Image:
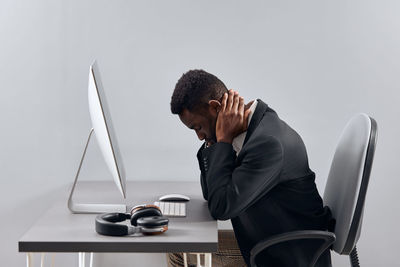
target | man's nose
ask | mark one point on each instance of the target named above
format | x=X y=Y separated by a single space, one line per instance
x=200 y=135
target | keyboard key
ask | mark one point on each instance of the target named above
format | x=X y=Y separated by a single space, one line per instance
x=182 y=209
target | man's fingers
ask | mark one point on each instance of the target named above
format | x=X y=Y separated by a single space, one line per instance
x=236 y=98
x=223 y=102
x=229 y=103
x=246 y=117
x=241 y=106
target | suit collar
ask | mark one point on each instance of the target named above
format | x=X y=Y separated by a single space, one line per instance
x=255 y=120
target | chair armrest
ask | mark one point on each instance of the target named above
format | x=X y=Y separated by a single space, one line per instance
x=328 y=237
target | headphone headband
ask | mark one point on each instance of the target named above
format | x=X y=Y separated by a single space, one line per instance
x=143 y=206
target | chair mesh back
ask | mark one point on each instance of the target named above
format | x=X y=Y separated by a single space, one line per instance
x=345 y=179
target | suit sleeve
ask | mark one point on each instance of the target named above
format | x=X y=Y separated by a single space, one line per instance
x=232 y=189
x=203 y=181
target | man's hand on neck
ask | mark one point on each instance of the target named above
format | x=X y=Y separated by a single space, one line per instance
x=232 y=118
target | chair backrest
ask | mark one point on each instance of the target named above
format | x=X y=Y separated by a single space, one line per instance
x=348 y=180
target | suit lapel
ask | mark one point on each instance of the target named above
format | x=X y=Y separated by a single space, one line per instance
x=255 y=120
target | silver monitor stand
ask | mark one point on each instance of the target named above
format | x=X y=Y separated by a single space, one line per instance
x=87 y=207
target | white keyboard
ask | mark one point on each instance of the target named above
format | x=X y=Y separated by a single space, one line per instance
x=172 y=209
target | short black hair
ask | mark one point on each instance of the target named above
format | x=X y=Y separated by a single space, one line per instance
x=194 y=89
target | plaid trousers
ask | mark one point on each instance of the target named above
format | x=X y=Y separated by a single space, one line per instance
x=228 y=254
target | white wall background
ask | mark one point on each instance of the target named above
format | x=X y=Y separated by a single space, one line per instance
x=315 y=62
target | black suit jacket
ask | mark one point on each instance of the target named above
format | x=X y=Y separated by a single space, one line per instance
x=267 y=189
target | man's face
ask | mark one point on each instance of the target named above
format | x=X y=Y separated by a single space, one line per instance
x=202 y=122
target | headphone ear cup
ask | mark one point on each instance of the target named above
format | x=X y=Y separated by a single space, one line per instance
x=144 y=212
x=107 y=224
x=153 y=221
x=153 y=225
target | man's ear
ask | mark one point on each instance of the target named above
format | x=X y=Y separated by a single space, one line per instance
x=214 y=106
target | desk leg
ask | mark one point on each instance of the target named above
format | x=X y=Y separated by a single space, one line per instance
x=207 y=259
x=81 y=259
x=198 y=259
x=185 y=263
x=29 y=260
x=91 y=260
x=42 y=259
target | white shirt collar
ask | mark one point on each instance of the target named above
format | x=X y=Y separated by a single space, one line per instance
x=238 y=141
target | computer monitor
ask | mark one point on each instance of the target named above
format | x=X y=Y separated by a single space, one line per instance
x=103 y=128
x=107 y=141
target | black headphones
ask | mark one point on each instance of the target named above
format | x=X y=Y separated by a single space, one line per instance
x=145 y=219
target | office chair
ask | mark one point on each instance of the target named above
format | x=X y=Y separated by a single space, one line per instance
x=344 y=193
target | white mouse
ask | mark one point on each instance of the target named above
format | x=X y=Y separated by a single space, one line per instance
x=174 y=197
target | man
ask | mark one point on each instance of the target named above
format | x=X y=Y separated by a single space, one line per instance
x=254 y=171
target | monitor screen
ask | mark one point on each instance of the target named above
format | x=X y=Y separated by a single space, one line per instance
x=103 y=128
